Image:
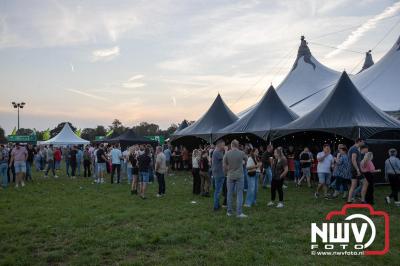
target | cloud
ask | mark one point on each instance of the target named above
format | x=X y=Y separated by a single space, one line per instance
x=93 y=96
x=105 y=54
x=130 y=85
x=133 y=82
x=136 y=77
x=364 y=28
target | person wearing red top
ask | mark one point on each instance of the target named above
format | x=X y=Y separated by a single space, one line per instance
x=57 y=158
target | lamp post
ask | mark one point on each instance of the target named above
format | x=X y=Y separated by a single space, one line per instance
x=18 y=106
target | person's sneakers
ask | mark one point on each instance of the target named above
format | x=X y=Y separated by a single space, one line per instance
x=22 y=184
x=224 y=206
x=316 y=195
x=143 y=197
x=327 y=197
x=285 y=187
x=270 y=204
x=16 y=186
x=387 y=199
x=242 y=215
x=56 y=176
x=158 y=195
x=229 y=214
x=280 y=205
x=247 y=205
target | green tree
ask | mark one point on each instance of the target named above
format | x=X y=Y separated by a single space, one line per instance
x=146 y=129
x=24 y=131
x=117 y=128
x=3 y=138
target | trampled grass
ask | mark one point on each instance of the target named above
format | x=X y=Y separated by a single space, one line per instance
x=75 y=222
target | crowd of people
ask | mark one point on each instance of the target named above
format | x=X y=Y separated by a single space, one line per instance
x=229 y=170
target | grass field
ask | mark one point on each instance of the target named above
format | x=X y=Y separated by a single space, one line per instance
x=73 y=222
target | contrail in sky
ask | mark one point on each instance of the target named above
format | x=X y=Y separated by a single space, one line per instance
x=360 y=31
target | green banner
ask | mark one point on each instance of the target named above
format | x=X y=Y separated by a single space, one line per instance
x=159 y=139
x=99 y=137
x=19 y=138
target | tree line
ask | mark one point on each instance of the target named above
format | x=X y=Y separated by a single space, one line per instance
x=115 y=129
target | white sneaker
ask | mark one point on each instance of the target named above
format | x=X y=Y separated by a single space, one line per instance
x=247 y=206
x=56 y=176
x=270 y=204
x=280 y=205
x=387 y=199
x=285 y=187
x=16 y=186
x=23 y=184
x=158 y=195
x=229 y=214
x=102 y=181
x=242 y=215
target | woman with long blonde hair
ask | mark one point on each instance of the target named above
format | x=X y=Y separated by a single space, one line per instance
x=368 y=170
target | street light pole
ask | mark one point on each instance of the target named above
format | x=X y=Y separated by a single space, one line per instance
x=18 y=106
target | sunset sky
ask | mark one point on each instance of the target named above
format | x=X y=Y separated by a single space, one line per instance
x=89 y=62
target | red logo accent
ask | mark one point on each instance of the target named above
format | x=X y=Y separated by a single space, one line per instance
x=372 y=212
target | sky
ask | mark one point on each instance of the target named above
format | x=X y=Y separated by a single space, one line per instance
x=91 y=61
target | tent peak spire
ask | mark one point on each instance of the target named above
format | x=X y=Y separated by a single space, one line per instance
x=368 y=61
x=303 y=52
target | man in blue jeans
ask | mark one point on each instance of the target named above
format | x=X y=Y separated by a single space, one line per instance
x=218 y=173
x=3 y=166
x=324 y=170
x=233 y=166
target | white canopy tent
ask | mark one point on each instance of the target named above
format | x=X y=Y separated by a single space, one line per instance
x=65 y=137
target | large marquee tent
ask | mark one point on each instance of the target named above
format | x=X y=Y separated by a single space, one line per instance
x=217 y=116
x=269 y=113
x=345 y=112
x=65 y=137
x=307 y=77
x=380 y=83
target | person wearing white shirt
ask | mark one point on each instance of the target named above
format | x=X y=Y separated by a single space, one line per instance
x=324 y=168
x=116 y=157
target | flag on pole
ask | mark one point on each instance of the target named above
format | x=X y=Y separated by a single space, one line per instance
x=78 y=132
x=14 y=132
x=109 y=133
x=46 y=134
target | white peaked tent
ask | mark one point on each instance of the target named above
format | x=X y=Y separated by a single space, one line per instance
x=307 y=83
x=380 y=83
x=66 y=137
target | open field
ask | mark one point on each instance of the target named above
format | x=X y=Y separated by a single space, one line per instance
x=75 y=222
